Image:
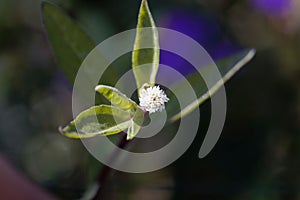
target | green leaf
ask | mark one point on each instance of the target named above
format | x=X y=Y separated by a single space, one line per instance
x=136 y=124
x=117 y=98
x=227 y=67
x=69 y=41
x=98 y=120
x=150 y=56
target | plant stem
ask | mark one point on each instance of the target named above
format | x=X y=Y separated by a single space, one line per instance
x=106 y=171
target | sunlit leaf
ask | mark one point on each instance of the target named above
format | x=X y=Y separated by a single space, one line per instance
x=149 y=56
x=116 y=97
x=69 y=41
x=98 y=120
x=136 y=124
x=227 y=67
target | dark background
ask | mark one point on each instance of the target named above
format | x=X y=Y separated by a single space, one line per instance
x=257 y=156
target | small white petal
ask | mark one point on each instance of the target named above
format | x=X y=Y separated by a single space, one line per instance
x=153 y=99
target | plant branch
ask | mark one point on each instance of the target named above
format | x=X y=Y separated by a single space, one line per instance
x=106 y=171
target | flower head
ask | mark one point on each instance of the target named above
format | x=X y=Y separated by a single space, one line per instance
x=153 y=98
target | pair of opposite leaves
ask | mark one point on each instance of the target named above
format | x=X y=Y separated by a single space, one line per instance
x=123 y=113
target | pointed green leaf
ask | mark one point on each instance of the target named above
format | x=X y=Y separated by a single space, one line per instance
x=116 y=97
x=149 y=56
x=98 y=120
x=136 y=124
x=69 y=41
x=227 y=67
x=132 y=130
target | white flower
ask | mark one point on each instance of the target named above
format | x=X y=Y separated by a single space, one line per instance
x=153 y=98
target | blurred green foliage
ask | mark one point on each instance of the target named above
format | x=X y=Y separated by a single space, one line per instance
x=257 y=156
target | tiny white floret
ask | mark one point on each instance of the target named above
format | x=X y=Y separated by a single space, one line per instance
x=153 y=99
